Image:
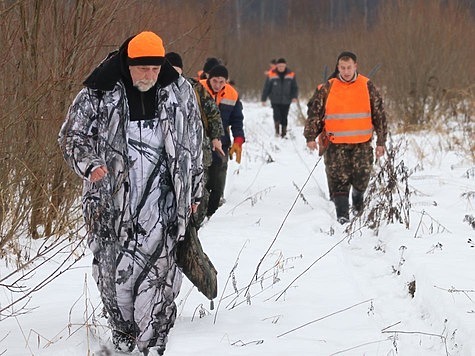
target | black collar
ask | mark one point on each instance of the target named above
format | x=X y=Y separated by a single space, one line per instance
x=114 y=68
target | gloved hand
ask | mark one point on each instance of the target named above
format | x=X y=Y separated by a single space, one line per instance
x=236 y=149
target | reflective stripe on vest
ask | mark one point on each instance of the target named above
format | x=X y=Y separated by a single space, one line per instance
x=275 y=75
x=348 y=111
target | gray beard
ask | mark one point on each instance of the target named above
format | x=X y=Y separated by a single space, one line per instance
x=144 y=85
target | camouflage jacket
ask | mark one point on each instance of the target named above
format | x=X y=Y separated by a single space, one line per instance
x=211 y=118
x=94 y=133
x=316 y=113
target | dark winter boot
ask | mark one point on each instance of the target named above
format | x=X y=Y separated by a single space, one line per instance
x=277 y=129
x=342 y=207
x=357 y=199
x=284 y=131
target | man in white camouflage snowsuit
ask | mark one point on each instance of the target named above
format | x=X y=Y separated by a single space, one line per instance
x=347 y=109
x=136 y=140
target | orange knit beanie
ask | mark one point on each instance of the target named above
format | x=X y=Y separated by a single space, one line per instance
x=145 y=49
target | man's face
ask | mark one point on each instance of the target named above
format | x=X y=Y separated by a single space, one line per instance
x=281 y=67
x=217 y=83
x=144 y=77
x=347 y=69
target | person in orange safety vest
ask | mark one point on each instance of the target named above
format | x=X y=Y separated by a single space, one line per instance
x=282 y=90
x=230 y=108
x=272 y=65
x=348 y=108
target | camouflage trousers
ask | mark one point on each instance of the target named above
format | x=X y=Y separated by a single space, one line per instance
x=348 y=165
x=216 y=182
x=138 y=281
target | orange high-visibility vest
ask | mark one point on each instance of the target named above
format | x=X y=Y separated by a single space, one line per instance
x=274 y=74
x=226 y=96
x=348 y=111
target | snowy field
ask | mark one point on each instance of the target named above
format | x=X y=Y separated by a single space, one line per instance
x=291 y=280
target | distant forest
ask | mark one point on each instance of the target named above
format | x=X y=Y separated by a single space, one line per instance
x=246 y=34
x=332 y=14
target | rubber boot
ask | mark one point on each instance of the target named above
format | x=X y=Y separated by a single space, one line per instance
x=342 y=208
x=284 y=131
x=277 y=129
x=357 y=198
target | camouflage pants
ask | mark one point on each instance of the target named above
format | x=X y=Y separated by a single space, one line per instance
x=139 y=282
x=216 y=182
x=348 y=165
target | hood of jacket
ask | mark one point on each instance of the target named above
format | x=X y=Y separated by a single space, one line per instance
x=115 y=68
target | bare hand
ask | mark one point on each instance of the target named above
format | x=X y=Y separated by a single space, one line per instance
x=194 y=208
x=379 y=151
x=98 y=173
x=312 y=145
x=217 y=146
x=263 y=103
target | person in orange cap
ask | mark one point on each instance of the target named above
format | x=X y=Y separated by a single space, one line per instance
x=138 y=150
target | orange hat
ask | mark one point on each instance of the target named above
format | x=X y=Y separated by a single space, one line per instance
x=145 y=49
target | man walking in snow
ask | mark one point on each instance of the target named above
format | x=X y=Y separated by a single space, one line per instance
x=138 y=151
x=232 y=118
x=347 y=109
x=281 y=87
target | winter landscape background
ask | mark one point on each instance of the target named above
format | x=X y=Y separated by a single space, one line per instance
x=398 y=281
x=292 y=281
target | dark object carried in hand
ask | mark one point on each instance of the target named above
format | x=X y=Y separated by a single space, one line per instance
x=195 y=264
x=323 y=142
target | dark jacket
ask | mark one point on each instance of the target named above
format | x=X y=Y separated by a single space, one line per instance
x=230 y=108
x=281 y=88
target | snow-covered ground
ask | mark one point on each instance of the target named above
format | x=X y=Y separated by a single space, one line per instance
x=319 y=290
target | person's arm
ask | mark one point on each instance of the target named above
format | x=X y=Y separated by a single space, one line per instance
x=266 y=90
x=196 y=146
x=378 y=118
x=213 y=119
x=294 y=89
x=236 y=120
x=78 y=135
x=315 y=116
x=312 y=99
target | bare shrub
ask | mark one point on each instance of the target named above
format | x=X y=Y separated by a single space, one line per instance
x=423 y=44
x=48 y=47
x=387 y=199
